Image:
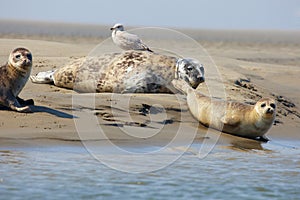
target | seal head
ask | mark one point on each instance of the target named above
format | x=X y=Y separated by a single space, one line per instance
x=190 y=70
x=21 y=59
x=266 y=108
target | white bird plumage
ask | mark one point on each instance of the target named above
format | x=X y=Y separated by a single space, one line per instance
x=127 y=41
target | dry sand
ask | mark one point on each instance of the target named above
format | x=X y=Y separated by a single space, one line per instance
x=250 y=69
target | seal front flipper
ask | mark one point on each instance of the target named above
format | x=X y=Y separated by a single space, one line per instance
x=263 y=139
x=230 y=120
x=11 y=102
x=24 y=109
x=128 y=90
x=25 y=102
x=134 y=89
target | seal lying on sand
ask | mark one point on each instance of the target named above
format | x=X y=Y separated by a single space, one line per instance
x=13 y=77
x=126 y=72
x=250 y=121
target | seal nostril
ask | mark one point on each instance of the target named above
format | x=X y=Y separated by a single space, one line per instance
x=269 y=110
x=194 y=86
x=199 y=77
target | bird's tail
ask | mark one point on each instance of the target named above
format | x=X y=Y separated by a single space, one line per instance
x=149 y=50
x=146 y=48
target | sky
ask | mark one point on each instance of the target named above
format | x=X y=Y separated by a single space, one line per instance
x=203 y=14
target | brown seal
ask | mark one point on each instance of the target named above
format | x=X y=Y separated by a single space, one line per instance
x=250 y=121
x=13 y=77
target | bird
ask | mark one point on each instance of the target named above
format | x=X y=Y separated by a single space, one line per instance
x=127 y=41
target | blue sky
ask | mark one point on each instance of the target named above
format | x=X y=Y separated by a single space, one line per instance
x=205 y=14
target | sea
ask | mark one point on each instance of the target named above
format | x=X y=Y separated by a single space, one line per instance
x=68 y=170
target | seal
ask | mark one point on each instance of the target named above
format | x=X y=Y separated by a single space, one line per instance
x=13 y=77
x=250 y=121
x=125 y=72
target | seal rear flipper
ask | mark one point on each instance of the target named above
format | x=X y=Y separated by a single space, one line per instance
x=43 y=77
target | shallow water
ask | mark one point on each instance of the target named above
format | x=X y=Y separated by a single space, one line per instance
x=65 y=170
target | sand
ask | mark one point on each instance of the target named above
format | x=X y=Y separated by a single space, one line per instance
x=250 y=66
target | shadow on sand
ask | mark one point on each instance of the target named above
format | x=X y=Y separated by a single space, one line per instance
x=51 y=111
x=37 y=109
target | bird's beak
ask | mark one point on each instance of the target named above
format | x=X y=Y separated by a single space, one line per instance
x=112 y=28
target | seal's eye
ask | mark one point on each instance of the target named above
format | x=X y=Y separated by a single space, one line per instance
x=29 y=56
x=273 y=105
x=189 y=68
x=263 y=105
x=18 y=56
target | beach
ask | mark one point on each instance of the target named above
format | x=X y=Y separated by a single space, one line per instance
x=266 y=69
x=64 y=124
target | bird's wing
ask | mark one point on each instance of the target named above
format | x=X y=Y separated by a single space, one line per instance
x=133 y=41
x=130 y=37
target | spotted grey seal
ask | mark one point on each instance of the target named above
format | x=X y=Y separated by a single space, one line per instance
x=125 y=72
